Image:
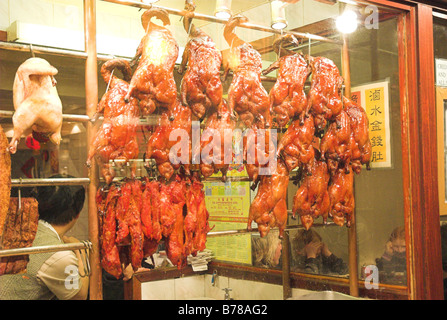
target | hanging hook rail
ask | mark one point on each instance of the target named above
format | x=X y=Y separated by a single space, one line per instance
x=50 y=248
x=49 y=182
x=209 y=18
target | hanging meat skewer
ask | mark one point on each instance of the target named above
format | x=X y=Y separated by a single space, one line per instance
x=153 y=81
x=37 y=105
x=5 y=179
x=201 y=87
x=324 y=98
x=116 y=139
x=287 y=97
x=246 y=94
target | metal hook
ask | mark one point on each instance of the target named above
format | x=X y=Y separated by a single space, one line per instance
x=19 y=204
x=32 y=50
x=85 y=259
x=108 y=84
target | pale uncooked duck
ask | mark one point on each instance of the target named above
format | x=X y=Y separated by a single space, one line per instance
x=37 y=104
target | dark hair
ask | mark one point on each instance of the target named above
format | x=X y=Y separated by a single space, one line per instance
x=59 y=205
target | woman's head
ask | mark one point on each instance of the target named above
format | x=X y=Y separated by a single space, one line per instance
x=59 y=205
x=397 y=239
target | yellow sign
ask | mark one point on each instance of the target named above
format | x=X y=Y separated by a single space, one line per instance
x=374 y=99
x=228 y=205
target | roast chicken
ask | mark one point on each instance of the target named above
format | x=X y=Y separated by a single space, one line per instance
x=287 y=97
x=312 y=198
x=246 y=94
x=269 y=207
x=153 y=80
x=37 y=105
x=324 y=97
x=201 y=87
x=5 y=179
x=361 y=145
x=216 y=142
x=116 y=139
x=336 y=144
x=341 y=194
x=170 y=144
x=295 y=146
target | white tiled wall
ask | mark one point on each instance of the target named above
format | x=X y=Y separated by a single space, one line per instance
x=200 y=287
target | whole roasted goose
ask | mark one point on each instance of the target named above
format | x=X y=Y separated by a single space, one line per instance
x=295 y=146
x=37 y=105
x=116 y=139
x=246 y=94
x=324 y=98
x=201 y=87
x=216 y=142
x=153 y=81
x=361 y=145
x=337 y=143
x=269 y=207
x=174 y=129
x=341 y=194
x=312 y=198
x=287 y=97
x=5 y=179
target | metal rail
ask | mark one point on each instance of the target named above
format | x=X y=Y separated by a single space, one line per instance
x=49 y=182
x=255 y=230
x=66 y=117
x=42 y=249
x=209 y=18
x=25 y=47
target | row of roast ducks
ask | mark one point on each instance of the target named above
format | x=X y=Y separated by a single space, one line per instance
x=327 y=163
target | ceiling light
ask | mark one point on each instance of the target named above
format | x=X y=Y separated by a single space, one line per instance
x=279 y=21
x=223 y=9
x=347 y=22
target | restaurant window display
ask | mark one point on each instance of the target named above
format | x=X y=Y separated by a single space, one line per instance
x=306 y=99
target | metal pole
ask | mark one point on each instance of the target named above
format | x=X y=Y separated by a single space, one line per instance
x=91 y=99
x=65 y=117
x=352 y=230
x=205 y=17
x=43 y=249
x=49 y=182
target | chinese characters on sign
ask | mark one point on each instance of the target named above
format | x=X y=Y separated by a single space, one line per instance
x=374 y=99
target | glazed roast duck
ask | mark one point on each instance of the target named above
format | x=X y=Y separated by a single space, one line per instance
x=287 y=97
x=153 y=80
x=201 y=87
x=116 y=139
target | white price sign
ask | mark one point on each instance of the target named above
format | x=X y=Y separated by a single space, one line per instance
x=441 y=72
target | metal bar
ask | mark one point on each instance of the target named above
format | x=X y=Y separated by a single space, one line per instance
x=49 y=182
x=205 y=17
x=24 y=47
x=91 y=101
x=285 y=252
x=43 y=249
x=66 y=117
x=255 y=230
